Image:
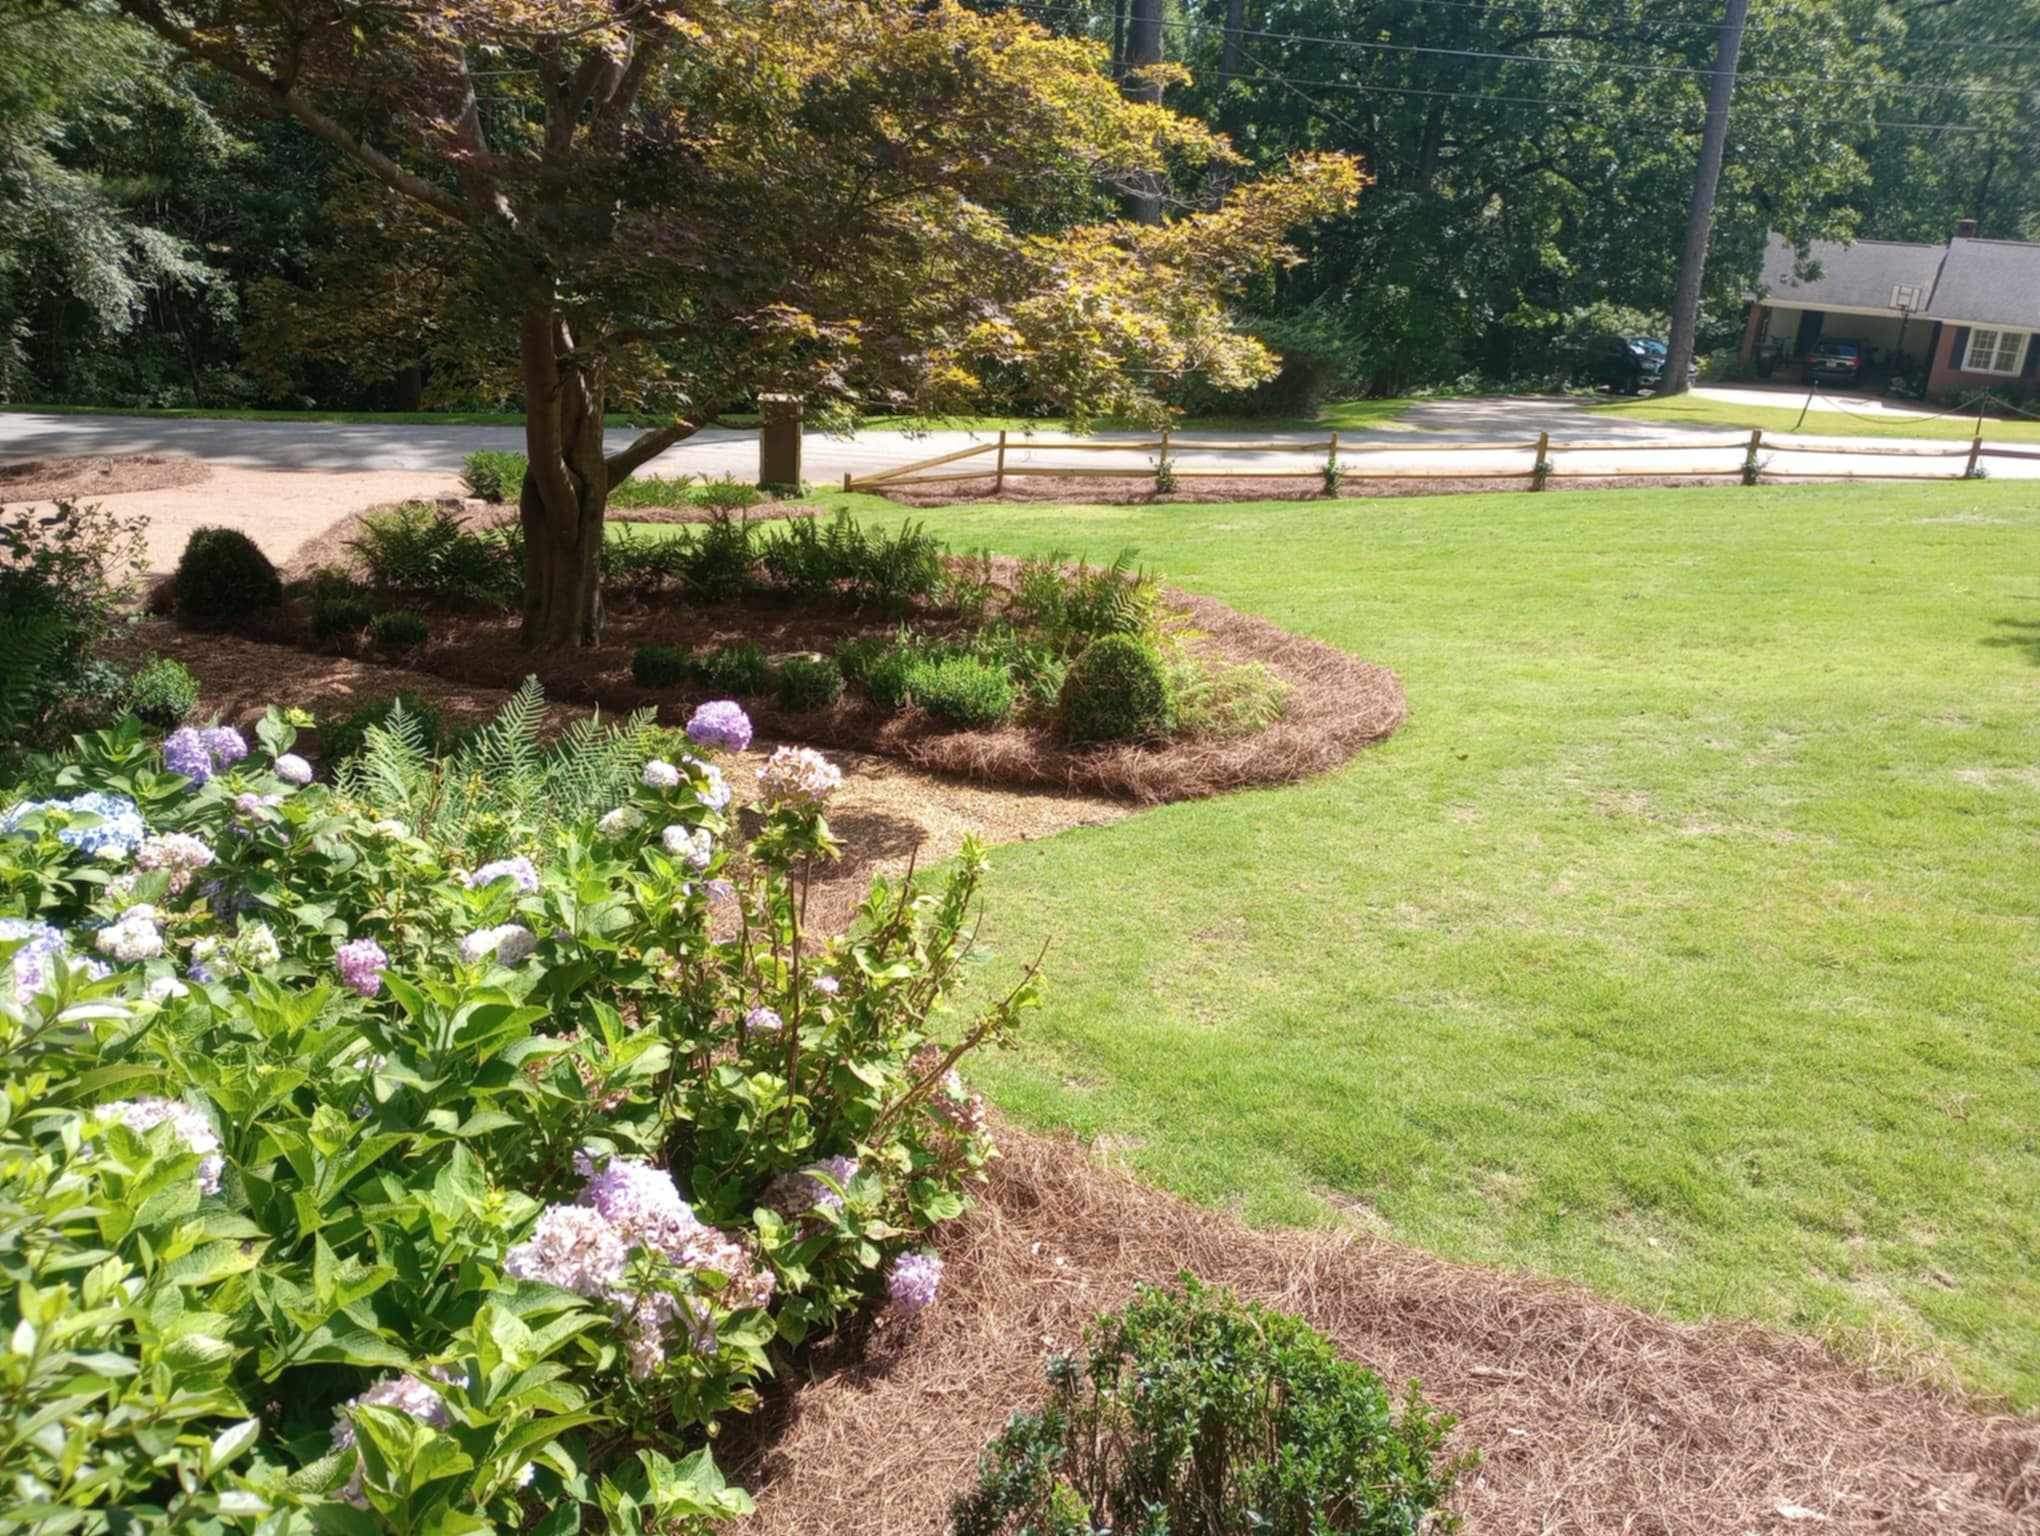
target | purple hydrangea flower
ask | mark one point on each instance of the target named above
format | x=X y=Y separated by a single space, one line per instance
x=225 y=745
x=913 y=1281
x=795 y=1194
x=765 y=1020
x=721 y=890
x=520 y=872
x=720 y=723
x=293 y=769
x=573 y=1247
x=178 y=853
x=41 y=950
x=185 y=752
x=406 y=1394
x=361 y=963
x=640 y=1201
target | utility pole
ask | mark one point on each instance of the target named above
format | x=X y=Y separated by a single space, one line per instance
x=1700 y=217
x=1143 y=48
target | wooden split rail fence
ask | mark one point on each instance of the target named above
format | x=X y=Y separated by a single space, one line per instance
x=1349 y=460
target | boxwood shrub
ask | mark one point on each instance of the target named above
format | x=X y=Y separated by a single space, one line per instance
x=163 y=693
x=807 y=682
x=961 y=689
x=1117 y=690
x=223 y=581
x=400 y=630
x=1194 y=1412
x=660 y=666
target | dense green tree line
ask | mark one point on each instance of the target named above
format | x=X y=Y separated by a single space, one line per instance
x=160 y=244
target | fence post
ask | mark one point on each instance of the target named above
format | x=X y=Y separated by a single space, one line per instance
x=846 y=479
x=1541 y=470
x=1975 y=450
x=1165 y=444
x=999 y=476
x=1752 y=471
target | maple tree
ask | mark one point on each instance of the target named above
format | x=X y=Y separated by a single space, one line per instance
x=677 y=205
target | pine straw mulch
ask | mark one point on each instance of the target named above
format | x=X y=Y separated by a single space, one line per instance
x=887 y=815
x=77 y=477
x=1095 y=490
x=1592 y=1417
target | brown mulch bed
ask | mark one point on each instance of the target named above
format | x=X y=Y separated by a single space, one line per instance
x=1336 y=705
x=1108 y=491
x=1592 y=1417
x=119 y=474
x=886 y=814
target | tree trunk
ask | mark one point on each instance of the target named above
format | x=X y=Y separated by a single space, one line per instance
x=1119 y=39
x=566 y=486
x=1700 y=217
x=1233 y=48
x=1144 y=47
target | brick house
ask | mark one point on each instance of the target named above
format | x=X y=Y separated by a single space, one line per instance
x=1969 y=310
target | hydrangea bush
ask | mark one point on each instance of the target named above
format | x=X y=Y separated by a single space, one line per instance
x=346 y=1185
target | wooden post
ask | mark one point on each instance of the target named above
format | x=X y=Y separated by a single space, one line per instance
x=1751 y=470
x=1975 y=450
x=999 y=476
x=846 y=479
x=1541 y=470
x=1165 y=443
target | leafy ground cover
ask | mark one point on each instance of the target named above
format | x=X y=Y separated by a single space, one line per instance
x=1698 y=411
x=1678 y=944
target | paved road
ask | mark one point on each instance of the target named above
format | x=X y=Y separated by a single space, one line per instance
x=719 y=451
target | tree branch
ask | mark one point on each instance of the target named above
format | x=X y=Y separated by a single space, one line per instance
x=649 y=446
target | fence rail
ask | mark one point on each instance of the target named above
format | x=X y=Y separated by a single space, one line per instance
x=1348 y=460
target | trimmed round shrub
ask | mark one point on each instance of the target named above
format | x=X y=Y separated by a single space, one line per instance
x=1117 y=690
x=887 y=677
x=398 y=631
x=223 y=580
x=738 y=669
x=340 y=619
x=807 y=682
x=660 y=666
x=1193 y=1412
x=343 y=737
x=962 y=690
x=163 y=693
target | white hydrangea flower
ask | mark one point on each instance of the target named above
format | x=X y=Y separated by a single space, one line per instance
x=660 y=774
x=695 y=845
x=621 y=822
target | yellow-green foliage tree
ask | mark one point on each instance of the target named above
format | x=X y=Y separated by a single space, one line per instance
x=676 y=205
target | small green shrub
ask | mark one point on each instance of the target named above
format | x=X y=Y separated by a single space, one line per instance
x=1069 y=607
x=342 y=737
x=638 y=565
x=719 y=561
x=426 y=553
x=1165 y=476
x=660 y=666
x=398 y=631
x=726 y=495
x=163 y=693
x=735 y=669
x=1117 y=690
x=494 y=476
x=1222 y=700
x=962 y=690
x=887 y=677
x=224 y=581
x=340 y=619
x=807 y=682
x=1195 y=1414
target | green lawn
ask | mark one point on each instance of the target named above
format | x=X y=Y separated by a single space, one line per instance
x=1684 y=942
x=1694 y=411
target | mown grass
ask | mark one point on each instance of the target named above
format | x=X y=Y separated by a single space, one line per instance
x=1683 y=943
x=1698 y=411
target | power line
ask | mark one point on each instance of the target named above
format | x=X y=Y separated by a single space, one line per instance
x=1557 y=62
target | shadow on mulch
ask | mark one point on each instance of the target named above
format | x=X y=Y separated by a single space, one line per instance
x=77 y=477
x=1591 y=1417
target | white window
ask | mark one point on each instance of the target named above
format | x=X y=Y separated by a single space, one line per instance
x=1995 y=352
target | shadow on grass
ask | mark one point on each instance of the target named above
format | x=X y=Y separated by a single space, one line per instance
x=2017 y=635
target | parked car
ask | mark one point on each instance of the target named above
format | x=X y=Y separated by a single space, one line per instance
x=1629 y=364
x=1835 y=360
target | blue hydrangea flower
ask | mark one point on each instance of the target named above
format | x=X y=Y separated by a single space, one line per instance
x=115 y=835
x=185 y=752
x=520 y=872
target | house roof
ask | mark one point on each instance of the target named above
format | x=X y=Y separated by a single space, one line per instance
x=1966 y=281
x=1990 y=280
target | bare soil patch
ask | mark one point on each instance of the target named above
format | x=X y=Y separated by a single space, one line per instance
x=1592 y=1418
x=1109 y=491
x=887 y=814
x=83 y=476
